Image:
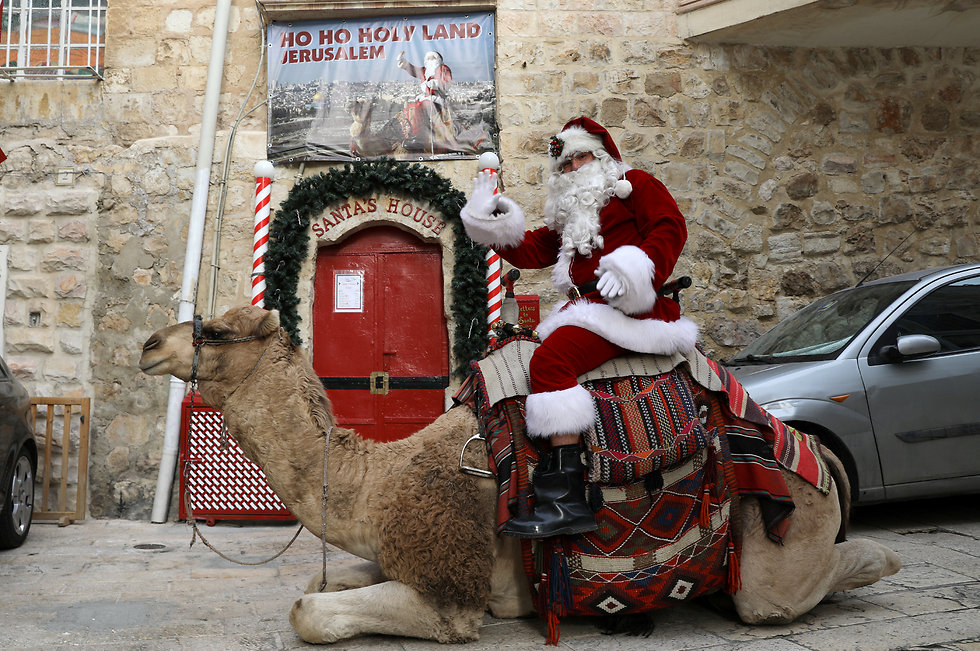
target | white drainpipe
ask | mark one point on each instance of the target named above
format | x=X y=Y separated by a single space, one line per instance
x=192 y=257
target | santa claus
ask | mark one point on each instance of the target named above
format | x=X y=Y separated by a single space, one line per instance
x=431 y=108
x=613 y=234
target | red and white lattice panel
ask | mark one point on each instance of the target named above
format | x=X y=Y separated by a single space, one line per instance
x=221 y=481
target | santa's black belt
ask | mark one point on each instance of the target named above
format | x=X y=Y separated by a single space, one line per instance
x=579 y=291
x=671 y=288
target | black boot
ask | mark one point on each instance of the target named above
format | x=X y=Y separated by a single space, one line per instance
x=560 y=508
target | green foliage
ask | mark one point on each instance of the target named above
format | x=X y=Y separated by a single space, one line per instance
x=289 y=234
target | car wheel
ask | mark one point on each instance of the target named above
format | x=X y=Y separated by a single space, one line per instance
x=15 y=518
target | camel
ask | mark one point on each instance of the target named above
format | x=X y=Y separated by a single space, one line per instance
x=432 y=564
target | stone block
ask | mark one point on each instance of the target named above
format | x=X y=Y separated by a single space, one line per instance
x=929 y=179
x=785 y=247
x=837 y=163
x=756 y=141
x=803 y=186
x=694 y=144
x=12 y=230
x=71 y=202
x=747 y=155
x=70 y=314
x=797 y=282
x=873 y=182
x=28 y=286
x=715 y=222
x=75 y=230
x=18 y=203
x=853 y=122
x=662 y=84
x=61 y=369
x=613 y=112
x=41 y=231
x=716 y=139
x=648 y=113
x=766 y=122
x=179 y=21
x=62 y=259
x=935 y=246
x=29 y=340
x=132 y=52
x=842 y=185
x=823 y=214
x=894 y=210
x=70 y=286
x=585 y=82
x=820 y=243
x=748 y=240
x=935 y=117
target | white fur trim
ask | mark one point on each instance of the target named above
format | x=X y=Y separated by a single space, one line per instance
x=639 y=335
x=561 y=273
x=576 y=140
x=623 y=188
x=503 y=229
x=568 y=411
x=635 y=268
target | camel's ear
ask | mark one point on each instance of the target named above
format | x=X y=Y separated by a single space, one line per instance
x=269 y=324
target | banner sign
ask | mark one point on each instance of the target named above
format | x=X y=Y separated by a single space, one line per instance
x=408 y=87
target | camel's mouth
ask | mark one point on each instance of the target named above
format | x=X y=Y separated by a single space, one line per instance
x=147 y=365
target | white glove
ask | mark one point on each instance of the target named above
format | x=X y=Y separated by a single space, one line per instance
x=483 y=201
x=401 y=59
x=610 y=285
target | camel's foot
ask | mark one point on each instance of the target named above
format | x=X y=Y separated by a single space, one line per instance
x=389 y=608
x=781 y=597
x=346 y=576
x=862 y=562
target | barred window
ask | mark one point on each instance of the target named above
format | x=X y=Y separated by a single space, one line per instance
x=52 y=39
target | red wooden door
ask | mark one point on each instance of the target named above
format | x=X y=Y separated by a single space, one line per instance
x=380 y=344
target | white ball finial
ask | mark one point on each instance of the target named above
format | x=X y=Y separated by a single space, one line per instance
x=488 y=161
x=265 y=170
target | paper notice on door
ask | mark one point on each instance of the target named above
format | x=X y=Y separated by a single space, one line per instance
x=348 y=291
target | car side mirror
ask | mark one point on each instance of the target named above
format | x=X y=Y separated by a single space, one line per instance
x=910 y=346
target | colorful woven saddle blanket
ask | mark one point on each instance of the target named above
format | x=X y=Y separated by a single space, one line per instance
x=676 y=442
x=652 y=412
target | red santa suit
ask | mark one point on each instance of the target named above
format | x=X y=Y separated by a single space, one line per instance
x=431 y=102
x=641 y=233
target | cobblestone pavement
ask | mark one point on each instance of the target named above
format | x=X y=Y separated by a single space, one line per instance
x=118 y=584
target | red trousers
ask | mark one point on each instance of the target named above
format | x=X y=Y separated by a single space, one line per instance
x=567 y=353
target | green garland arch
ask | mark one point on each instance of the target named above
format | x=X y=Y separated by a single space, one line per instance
x=289 y=234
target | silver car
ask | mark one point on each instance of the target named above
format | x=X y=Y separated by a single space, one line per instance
x=887 y=374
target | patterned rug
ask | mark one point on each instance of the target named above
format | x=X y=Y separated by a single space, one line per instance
x=677 y=442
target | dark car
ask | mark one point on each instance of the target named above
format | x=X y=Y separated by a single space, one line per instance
x=18 y=461
x=887 y=374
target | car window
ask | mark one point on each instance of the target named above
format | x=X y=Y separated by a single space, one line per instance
x=823 y=328
x=951 y=314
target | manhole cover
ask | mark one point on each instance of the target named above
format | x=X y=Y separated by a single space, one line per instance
x=150 y=547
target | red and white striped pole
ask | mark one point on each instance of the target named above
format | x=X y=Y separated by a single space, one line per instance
x=264 y=173
x=489 y=162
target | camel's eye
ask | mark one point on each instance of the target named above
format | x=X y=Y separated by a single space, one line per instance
x=215 y=333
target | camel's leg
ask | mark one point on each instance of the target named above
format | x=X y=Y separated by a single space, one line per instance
x=356 y=573
x=861 y=563
x=389 y=608
x=510 y=596
x=782 y=582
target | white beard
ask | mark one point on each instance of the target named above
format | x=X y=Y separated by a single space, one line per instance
x=574 y=201
x=431 y=67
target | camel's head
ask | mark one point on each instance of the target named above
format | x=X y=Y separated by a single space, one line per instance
x=171 y=350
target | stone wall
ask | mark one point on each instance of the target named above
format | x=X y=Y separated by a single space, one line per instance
x=798 y=170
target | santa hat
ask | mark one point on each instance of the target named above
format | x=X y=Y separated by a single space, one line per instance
x=580 y=135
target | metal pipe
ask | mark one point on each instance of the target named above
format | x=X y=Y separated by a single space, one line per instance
x=226 y=170
x=192 y=256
